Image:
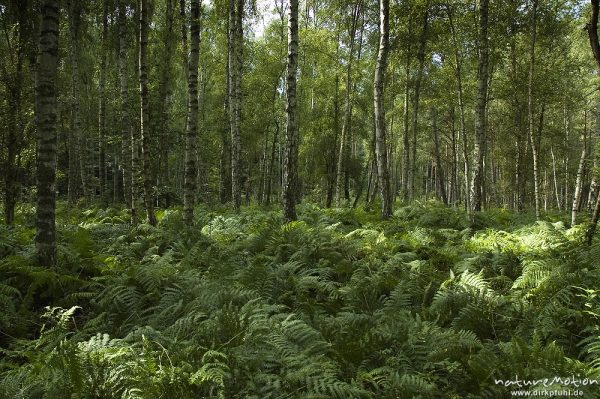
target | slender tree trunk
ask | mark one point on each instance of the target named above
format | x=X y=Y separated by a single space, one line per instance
x=416 y=100
x=269 y=182
x=225 y=172
x=76 y=141
x=461 y=108
x=147 y=169
x=439 y=173
x=405 y=126
x=592 y=28
x=593 y=192
x=480 y=111
x=343 y=155
x=566 y=163
x=102 y=106
x=115 y=176
x=164 y=90
x=80 y=139
x=530 y=110
x=454 y=184
x=555 y=179
x=46 y=121
x=579 y=178
x=378 y=94
x=236 y=13
x=331 y=161
x=134 y=136
x=290 y=169
x=124 y=117
x=593 y=222
x=192 y=116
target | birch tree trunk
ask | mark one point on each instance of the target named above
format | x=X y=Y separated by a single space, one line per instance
x=461 y=108
x=148 y=181
x=480 y=111
x=135 y=135
x=555 y=180
x=439 y=172
x=416 y=101
x=46 y=121
x=592 y=28
x=225 y=173
x=530 y=110
x=124 y=105
x=164 y=90
x=76 y=141
x=593 y=191
x=236 y=32
x=378 y=94
x=343 y=155
x=290 y=167
x=102 y=105
x=192 y=116
x=405 y=130
x=579 y=177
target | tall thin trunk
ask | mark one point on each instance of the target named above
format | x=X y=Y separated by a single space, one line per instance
x=566 y=161
x=124 y=107
x=269 y=182
x=134 y=134
x=461 y=108
x=480 y=111
x=555 y=179
x=115 y=176
x=416 y=101
x=236 y=16
x=147 y=172
x=225 y=173
x=593 y=222
x=332 y=156
x=46 y=120
x=80 y=138
x=405 y=126
x=530 y=110
x=579 y=178
x=343 y=155
x=76 y=140
x=593 y=192
x=378 y=94
x=102 y=105
x=290 y=167
x=439 y=172
x=455 y=190
x=592 y=29
x=192 y=116
x=164 y=90
x=520 y=140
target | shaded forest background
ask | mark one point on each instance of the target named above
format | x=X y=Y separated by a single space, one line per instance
x=540 y=104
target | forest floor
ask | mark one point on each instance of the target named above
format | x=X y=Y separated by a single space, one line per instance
x=336 y=305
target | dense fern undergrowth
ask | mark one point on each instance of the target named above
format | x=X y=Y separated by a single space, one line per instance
x=335 y=305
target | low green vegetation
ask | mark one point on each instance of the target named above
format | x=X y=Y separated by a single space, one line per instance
x=335 y=305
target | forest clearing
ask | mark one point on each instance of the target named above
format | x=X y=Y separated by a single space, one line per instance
x=299 y=199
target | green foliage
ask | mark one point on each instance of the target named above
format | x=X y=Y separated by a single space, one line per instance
x=336 y=305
